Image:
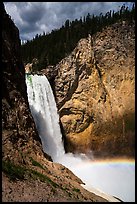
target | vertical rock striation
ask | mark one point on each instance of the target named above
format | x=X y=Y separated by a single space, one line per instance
x=95 y=93
x=27 y=175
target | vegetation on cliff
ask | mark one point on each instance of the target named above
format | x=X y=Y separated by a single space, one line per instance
x=50 y=48
x=22 y=155
x=27 y=175
x=95 y=106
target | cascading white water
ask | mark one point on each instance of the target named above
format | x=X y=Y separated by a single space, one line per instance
x=111 y=177
x=44 y=111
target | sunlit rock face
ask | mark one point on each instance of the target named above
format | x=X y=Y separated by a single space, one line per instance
x=28 y=68
x=95 y=93
x=20 y=140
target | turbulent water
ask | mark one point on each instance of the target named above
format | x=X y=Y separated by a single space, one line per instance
x=44 y=111
x=116 y=178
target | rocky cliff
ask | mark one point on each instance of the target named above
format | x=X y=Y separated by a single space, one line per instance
x=95 y=93
x=27 y=174
x=18 y=128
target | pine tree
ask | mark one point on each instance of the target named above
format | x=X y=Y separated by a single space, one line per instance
x=50 y=48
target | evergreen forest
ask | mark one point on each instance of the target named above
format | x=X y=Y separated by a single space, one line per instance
x=50 y=48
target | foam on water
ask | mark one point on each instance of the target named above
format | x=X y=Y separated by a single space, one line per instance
x=116 y=177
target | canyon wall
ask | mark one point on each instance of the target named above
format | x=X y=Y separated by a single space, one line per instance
x=95 y=93
x=18 y=128
x=28 y=174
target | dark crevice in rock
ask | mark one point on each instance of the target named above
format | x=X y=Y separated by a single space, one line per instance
x=72 y=87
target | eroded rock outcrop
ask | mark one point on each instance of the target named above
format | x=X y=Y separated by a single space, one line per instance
x=27 y=175
x=18 y=128
x=95 y=93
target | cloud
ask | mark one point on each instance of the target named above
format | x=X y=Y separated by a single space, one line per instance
x=35 y=17
x=31 y=12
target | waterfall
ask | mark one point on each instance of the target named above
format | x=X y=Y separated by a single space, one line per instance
x=45 y=114
x=113 y=177
x=44 y=111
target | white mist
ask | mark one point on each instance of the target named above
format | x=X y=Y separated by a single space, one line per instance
x=44 y=111
x=116 y=180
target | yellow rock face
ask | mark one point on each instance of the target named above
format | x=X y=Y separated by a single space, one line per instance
x=28 y=68
x=95 y=93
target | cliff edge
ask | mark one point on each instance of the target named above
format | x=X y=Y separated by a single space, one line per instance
x=28 y=174
x=95 y=93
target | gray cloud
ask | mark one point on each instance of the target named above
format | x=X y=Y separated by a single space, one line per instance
x=35 y=17
x=32 y=12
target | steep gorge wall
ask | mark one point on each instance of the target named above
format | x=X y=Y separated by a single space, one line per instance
x=18 y=129
x=95 y=93
x=27 y=174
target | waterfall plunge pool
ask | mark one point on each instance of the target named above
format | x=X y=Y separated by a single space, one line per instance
x=113 y=177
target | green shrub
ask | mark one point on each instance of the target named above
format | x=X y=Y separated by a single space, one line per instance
x=13 y=171
x=42 y=177
x=35 y=163
x=76 y=189
x=18 y=172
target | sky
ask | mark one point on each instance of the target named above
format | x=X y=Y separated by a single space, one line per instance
x=33 y=18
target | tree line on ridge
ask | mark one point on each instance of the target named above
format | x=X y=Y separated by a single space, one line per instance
x=50 y=48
